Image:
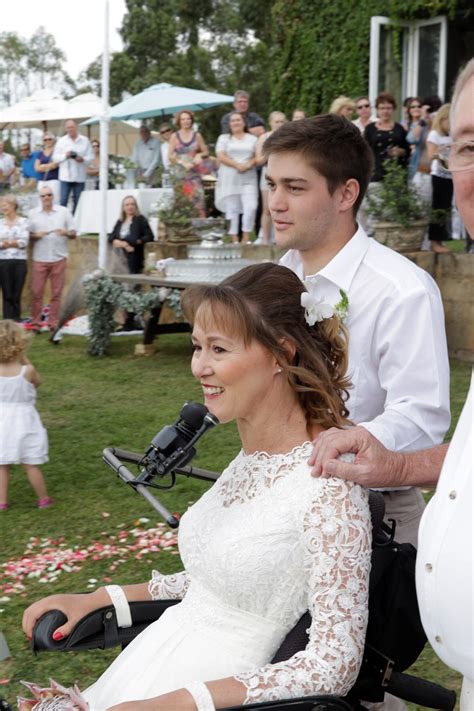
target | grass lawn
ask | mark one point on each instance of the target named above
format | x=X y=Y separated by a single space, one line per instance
x=87 y=404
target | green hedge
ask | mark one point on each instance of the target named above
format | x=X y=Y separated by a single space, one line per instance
x=321 y=48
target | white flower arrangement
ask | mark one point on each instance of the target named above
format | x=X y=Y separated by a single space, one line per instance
x=316 y=309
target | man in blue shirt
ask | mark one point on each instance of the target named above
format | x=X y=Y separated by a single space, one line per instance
x=28 y=158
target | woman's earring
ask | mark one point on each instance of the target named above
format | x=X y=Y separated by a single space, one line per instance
x=279 y=370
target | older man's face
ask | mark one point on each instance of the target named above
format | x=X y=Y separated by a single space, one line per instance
x=463 y=130
x=71 y=129
x=145 y=134
x=241 y=104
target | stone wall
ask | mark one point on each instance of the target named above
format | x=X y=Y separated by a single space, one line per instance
x=452 y=272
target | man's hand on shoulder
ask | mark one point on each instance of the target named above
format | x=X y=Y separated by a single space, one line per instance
x=373 y=466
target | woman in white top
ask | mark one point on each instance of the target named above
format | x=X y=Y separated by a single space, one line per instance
x=14 y=236
x=441 y=182
x=237 y=188
x=276 y=119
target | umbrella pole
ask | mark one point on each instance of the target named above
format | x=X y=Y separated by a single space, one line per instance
x=104 y=143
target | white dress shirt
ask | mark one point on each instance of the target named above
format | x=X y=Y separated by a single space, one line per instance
x=52 y=247
x=445 y=559
x=147 y=155
x=70 y=171
x=398 y=359
x=15 y=233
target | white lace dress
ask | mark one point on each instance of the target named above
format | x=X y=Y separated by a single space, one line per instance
x=266 y=543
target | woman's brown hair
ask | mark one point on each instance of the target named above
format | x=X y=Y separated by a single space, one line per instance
x=177 y=119
x=263 y=303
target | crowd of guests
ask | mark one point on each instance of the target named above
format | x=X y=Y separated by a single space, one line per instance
x=239 y=164
x=63 y=167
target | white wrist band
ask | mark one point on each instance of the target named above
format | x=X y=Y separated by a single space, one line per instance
x=120 y=602
x=201 y=695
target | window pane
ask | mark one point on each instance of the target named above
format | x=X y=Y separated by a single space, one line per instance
x=428 y=60
x=392 y=57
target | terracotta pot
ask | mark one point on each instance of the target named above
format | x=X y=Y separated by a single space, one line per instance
x=401 y=239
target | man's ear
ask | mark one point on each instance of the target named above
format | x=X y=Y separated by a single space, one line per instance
x=349 y=193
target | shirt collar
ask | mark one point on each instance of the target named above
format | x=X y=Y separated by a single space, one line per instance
x=54 y=208
x=344 y=265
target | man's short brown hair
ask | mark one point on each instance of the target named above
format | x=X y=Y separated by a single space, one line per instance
x=332 y=146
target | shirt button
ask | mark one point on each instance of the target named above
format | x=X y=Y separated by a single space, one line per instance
x=429 y=568
x=438 y=639
x=452 y=494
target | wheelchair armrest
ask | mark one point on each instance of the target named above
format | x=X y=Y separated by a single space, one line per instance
x=98 y=629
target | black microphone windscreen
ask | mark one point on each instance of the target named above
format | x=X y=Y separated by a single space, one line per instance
x=193 y=413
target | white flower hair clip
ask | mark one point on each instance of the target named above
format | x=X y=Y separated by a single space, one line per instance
x=318 y=310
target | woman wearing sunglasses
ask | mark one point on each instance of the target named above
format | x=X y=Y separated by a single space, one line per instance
x=48 y=169
x=364 y=113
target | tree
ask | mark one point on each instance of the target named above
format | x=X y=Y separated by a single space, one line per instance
x=215 y=45
x=13 y=66
x=45 y=61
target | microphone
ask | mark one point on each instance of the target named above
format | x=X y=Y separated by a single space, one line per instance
x=173 y=446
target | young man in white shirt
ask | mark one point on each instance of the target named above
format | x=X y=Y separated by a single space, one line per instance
x=73 y=152
x=318 y=170
x=445 y=561
x=50 y=228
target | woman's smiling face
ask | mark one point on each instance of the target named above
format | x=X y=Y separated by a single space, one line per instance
x=236 y=378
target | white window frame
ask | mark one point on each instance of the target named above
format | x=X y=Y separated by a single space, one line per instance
x=410 y=71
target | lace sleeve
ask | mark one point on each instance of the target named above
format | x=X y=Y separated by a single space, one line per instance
x=336 y=534
x=168 y=587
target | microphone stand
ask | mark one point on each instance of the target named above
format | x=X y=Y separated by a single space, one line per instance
x=115 y=458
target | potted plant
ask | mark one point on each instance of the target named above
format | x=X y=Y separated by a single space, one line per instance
x=399 y=218
x=178 y=216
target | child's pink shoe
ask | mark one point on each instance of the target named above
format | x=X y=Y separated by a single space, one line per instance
x=3 y=507
x=44 y=503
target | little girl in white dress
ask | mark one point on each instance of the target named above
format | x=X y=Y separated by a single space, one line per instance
x=268 y=541
x=23 y=439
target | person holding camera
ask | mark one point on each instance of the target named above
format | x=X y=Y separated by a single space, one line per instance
x=73 y=152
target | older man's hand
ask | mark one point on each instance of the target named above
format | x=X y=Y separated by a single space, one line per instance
x=373 y=464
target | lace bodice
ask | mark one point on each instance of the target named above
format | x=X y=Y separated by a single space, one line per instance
x=270 y=541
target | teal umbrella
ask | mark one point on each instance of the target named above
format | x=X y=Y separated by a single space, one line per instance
x=163 y=99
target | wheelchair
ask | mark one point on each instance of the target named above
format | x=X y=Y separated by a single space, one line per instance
x=387 y=653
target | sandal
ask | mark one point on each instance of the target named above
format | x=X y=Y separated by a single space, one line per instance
x=44 y=503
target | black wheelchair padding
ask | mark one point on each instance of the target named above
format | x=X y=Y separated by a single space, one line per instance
x=98 y=629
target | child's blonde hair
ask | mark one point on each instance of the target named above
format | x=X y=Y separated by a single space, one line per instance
x=13 y=341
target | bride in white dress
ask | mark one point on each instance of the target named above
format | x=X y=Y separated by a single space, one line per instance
x=268 y=541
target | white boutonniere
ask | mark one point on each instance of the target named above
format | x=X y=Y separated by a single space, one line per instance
x=316 y=309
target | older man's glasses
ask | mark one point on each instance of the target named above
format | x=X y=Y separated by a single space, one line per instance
x=43 y=195
x=457 y=156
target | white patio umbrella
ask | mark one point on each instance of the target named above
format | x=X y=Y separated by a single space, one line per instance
x=164 y=99
x=35 y=111
x=46 y=109
x=122 y=134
